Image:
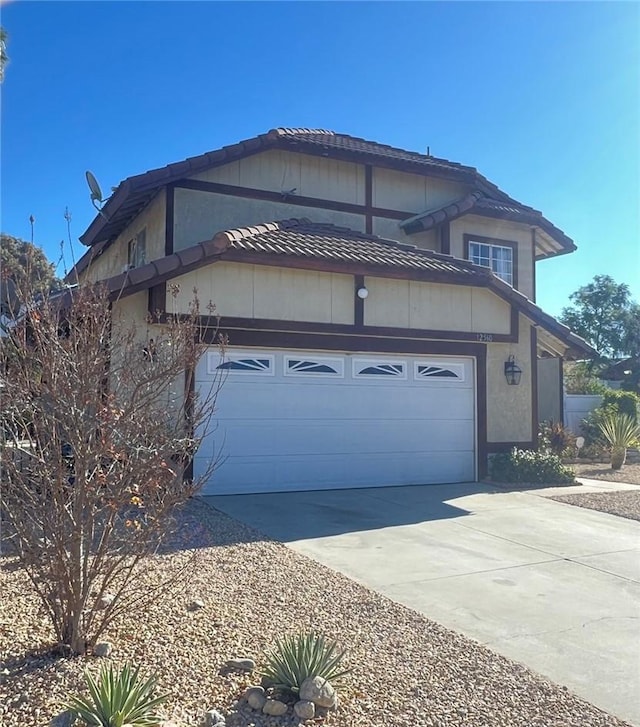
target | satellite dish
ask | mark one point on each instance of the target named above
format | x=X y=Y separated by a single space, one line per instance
x=96 y=192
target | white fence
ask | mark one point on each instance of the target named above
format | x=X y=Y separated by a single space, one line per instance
x=576 y=408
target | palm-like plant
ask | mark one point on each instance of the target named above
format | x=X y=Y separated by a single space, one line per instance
x=118 y=700
x=297 y=657
x=620 y=431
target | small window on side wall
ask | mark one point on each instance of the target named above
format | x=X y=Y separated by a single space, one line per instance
x=137 y=250
x=498 y=258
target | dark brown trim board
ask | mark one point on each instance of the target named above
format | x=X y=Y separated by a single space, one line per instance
x=533 y=264
x=295 y=199
x=514 y=325
x=368 y=198
x=481 y=412
x=169 y=220
x=445 y=238
x=157 y=300
x=534 y=387
x=561 y=387
x=495 y=241
x=421 y=336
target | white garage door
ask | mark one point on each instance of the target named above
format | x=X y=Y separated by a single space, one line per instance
x=292 y=420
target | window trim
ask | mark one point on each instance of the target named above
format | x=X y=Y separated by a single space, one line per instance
x=499 y=243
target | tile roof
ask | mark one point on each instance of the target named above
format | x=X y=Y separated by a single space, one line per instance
x=479 y=203
x=134 y=193
x=344 y=142
x=305 y=239
x=303 y=244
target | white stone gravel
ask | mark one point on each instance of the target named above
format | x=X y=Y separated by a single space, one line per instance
x=407 y=670
x=624 y=503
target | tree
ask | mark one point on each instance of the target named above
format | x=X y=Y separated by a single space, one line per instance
x=26 y=265
x=4 y=58
x=97 y=433
x=604 y=314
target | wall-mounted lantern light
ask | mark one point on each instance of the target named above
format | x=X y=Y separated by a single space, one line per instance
x=362 y=292
x=512 y=371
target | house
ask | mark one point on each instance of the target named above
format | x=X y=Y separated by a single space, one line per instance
x=379 y=306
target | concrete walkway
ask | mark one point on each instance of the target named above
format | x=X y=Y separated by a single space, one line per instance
x=550 y=585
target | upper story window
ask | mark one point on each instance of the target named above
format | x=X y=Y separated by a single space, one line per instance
x=499 y=256
x=137 y=250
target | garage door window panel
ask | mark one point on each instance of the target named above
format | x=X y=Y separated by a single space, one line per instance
x=238 y=364
x=431 y=371
x=376 y=369
x=308 y=367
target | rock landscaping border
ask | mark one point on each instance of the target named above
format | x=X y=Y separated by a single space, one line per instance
x=407 y=670
x=624 y=503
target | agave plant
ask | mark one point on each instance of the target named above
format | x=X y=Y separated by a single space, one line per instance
x=297 y=657
x=118 y=700
x=620 y=432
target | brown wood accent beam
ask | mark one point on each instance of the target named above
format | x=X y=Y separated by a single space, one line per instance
x=169 y=220
x=533 y=263
x=445 y=238
x=561 y=386
x=157 y=299
x=368 y=198
x=534 y=387
x=269 y=196
x=268 y=325
x=514 y=324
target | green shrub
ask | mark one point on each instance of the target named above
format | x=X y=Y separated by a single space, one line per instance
x=556 y=438
x=625 y=402
x=297 y=657
x=619 y=431
x=590 y=425
x=578 y=379
x=118 y=700
x=525 y=465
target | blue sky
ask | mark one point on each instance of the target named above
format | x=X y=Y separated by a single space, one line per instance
x=542 y=98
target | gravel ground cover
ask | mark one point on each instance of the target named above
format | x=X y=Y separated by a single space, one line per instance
x=629 y=473
x=407 y=670
x=625 y=503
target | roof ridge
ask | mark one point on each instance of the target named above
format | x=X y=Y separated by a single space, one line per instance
x=293 y=130
x=287 y=131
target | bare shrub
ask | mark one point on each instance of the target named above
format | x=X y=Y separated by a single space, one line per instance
x=99 y=424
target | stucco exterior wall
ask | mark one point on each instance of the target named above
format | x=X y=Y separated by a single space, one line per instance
x=413 y=304
x=114 y=258
x=260 y=291
x=509 y=408
x=391 y=230
x=199 y=215
x=412 y=192
x=499 y=230
x=131 y=311
x=280 y=171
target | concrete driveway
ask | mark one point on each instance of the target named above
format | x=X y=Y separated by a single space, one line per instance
x=550 y=585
